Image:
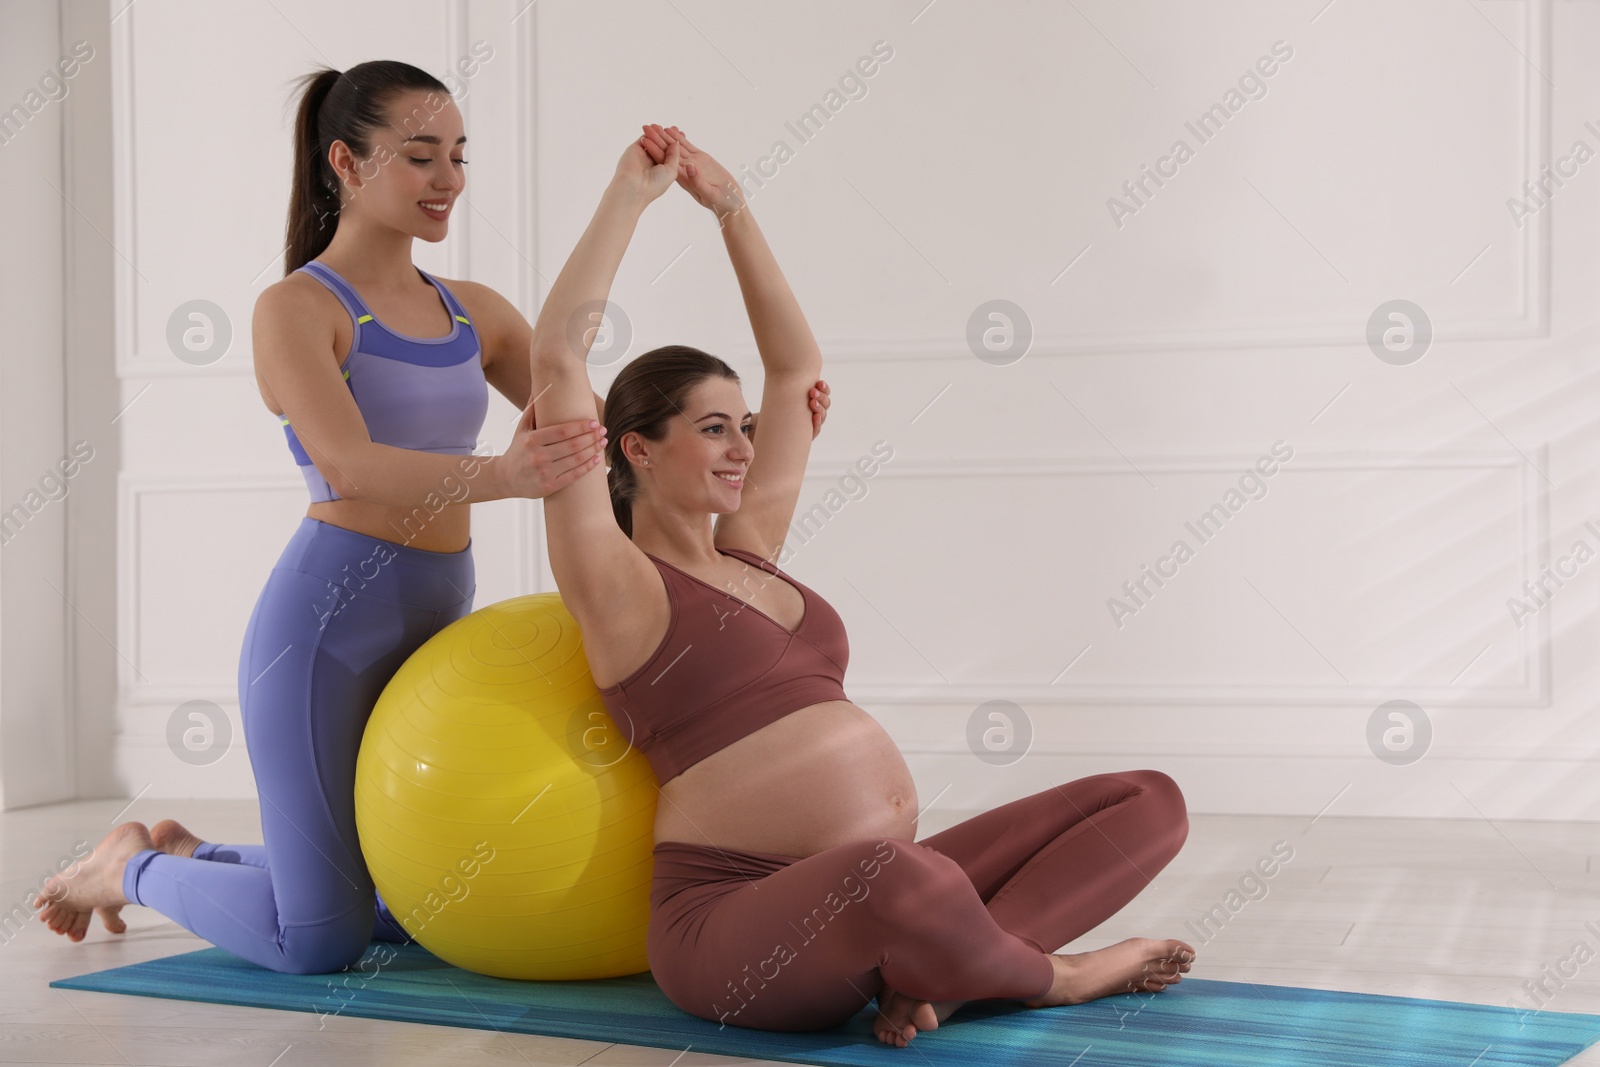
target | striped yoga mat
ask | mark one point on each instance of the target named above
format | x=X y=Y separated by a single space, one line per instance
x=1200 y=1023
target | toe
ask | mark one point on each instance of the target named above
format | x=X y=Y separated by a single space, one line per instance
x=112 y=918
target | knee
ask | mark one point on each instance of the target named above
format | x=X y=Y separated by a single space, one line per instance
x=1165 y=799
x=324 y=947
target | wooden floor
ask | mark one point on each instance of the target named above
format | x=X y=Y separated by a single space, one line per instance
x=1451 y=909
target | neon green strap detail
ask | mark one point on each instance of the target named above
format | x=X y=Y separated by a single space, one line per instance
x=347 y=374
x=467 y=321
x=285 y=422
x=364 y=318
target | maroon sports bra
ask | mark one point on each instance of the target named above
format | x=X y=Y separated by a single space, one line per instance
x=724 y=670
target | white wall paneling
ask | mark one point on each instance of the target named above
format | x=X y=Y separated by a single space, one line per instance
x=1170 y=351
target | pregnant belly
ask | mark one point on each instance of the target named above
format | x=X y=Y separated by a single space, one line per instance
x=818 y=777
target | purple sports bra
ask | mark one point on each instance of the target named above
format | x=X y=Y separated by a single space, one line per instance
x=725 y=669
x=423 y=393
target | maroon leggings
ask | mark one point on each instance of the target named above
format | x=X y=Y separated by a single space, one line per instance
x=776 y=942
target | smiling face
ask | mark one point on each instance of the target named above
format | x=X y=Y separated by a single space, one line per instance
x=709 y=439
x=417 y=159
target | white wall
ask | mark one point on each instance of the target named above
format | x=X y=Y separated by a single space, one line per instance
x=58 y=445
x=1171 y=348
x=32 y=624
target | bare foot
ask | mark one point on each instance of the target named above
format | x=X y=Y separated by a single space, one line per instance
x=169 y=836
x=1139 y=964
x=94 y=885
x=901 y=1017
x=111 y=916
x=173 y=838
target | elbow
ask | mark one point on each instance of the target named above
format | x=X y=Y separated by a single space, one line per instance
x=793 y=361
x=342 y=476
x=806 y=370
x=343 y=488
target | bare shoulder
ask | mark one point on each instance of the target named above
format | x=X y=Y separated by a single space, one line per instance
x=474 y=296
x=293 y=318
x=300 y=303
x=501 y=326
x=296 y=291
x=483 y=303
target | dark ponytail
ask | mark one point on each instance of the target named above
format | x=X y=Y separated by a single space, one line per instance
x=339 y=107
x=643 y=397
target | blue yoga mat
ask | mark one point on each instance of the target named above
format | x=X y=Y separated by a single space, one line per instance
x=1199 y=1023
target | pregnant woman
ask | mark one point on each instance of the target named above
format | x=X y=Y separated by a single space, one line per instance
x=379 y=375
x=788 y=891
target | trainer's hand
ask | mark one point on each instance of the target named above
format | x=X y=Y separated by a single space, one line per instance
x=820 y=400
x=701 y=176
x=542 y=460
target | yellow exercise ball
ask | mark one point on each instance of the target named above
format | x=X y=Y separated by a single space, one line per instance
x=506 y=821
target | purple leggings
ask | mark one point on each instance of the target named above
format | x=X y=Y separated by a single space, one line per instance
x=340 y=612
x=774 y=942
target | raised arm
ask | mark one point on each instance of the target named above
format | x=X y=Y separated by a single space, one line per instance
x=789 y=356
x=598 y=569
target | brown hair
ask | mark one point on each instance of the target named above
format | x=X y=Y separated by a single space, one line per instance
x=338 y=107
x=645 y=395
